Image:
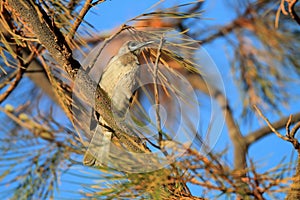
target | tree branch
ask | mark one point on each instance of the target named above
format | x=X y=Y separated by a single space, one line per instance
x=242 y=21
x=262 y=132
x=47 y=34
x=240 y=147
x=39 y=76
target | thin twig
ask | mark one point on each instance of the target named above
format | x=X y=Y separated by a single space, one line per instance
x=156 y=92
x=158 y=120
x=293 y=14
x=264 y=131
x=8 y=79
x=289 y=135
x=283 y=8
x=87 y=5
x=288 y=124
x=291 y=11
x=97 y=2
x=106 y=41
x=295 y=129
x=269 y=124
x=15 y=83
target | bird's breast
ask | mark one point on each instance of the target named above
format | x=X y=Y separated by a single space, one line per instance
x=128 y=59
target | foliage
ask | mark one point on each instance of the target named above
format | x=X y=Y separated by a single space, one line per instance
x=42 y=148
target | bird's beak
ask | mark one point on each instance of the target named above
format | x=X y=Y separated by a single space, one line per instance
x=142 y=44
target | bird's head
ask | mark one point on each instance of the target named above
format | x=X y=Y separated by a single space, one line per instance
x=134 y=46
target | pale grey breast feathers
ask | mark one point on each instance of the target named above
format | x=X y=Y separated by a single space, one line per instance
x=120 y=77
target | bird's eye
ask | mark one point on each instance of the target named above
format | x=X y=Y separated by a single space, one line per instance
x=132 y=44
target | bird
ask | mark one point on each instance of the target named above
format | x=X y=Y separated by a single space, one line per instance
x=120 y=81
